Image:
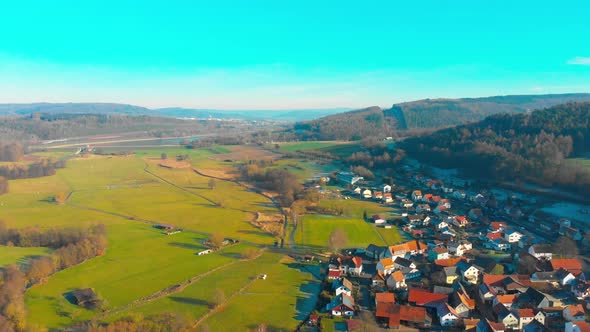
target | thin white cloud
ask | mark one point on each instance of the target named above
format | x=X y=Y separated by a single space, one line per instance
x=583 y=61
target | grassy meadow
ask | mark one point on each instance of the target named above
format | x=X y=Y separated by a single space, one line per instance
x=130 y=193
x=19 y=255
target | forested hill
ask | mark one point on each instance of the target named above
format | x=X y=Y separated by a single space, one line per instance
x=532 y=146
x=352 y=125
x=290 y=115
x=422 y=114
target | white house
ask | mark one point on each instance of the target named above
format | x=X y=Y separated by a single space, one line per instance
x=440 y=224
x=417 y=195
x=386 y=188
x=367 y=193
x=342 y=286
x=459 y=248
x=497 y=244
x=341 y=305
x=541 y=251
x=378 y=219
x=580 y=289
x=469 y=273
x=460 y=221
x=447 y=315
x=512 y=236
x=396 y=280
x=406 y=203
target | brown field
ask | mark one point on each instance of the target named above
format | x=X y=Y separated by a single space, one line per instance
x=244 y=153
x=173 y=163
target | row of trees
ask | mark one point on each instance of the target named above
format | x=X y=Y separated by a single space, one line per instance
x=51 y=238
x=41 y=168
x=526 y=146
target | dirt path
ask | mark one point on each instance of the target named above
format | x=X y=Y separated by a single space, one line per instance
x=261 y=193
x=219 y=307
x=175 y=288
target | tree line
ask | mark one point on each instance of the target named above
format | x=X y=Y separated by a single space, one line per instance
x=278 y=180
x=44 y=167
x=533 y=146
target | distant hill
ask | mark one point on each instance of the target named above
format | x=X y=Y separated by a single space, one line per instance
x=532 y=146
x=124 y=109
x=422 y=114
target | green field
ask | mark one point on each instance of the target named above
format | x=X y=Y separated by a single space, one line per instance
x=128 y=194
x=314 y=230
x=283 y=291
x=584 y=161
x=19 y=256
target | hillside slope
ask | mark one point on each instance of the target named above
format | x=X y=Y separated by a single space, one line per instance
x=422 y=114
x=532 y=146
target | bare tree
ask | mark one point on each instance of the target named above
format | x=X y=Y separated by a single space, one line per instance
x=60 y=198
x=566 y=247
x=216 y=240
x=211 y=184
x=218 y=297
x=338 y=240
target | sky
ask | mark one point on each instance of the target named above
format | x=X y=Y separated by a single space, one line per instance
x=284 y=54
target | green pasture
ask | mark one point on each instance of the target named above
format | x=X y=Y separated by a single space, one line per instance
x=18 y=255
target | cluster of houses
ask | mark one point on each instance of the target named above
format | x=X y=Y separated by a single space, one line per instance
x=444 y=277
x=463 y=295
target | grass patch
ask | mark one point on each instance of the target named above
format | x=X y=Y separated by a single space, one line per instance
x=20 y=256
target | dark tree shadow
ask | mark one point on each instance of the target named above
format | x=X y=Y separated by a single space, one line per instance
x=189 y=300
x=187 y=245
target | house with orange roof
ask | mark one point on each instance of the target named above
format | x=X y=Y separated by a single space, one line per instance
x=410 y=248
x=386 y=265
x=378 y=195
x=448 y=262
x=507 y=300
x=577 y=327
x=525 y=316
x=387 y=198
x=447 y=315
x=462 y=303
x=572 y=265
x=574 y=313
x=425 y=298
x=394 y=315
x=417 y=195
x=396 y=280
x=384 y=297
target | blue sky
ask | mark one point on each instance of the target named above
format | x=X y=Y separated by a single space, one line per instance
x=289 y=54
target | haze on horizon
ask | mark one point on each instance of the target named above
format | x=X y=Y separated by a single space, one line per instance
x=280 y=55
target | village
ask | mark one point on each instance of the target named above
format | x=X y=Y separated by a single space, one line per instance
x=470 y=261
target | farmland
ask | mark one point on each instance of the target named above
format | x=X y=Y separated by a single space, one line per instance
x=137 y=275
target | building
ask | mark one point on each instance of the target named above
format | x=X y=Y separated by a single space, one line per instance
x=512 y=236
x=342 y=286
x=348 y=177
x=541 y=251
x=447 y=315
x=341 y=305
